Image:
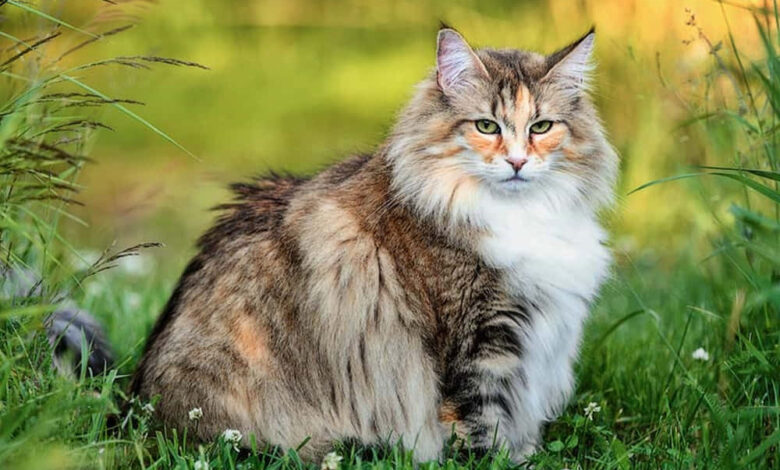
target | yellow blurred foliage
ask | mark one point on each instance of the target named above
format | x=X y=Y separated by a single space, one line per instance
x=297 y=84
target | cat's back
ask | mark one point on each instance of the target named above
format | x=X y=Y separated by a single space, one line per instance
x=243 y=252
x=252 y=251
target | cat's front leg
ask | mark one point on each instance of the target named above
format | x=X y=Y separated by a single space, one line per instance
x=480 y=436
x=487 y=400
x=481 y=415
x=464 y=431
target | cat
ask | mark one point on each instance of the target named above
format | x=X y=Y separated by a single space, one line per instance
x=436 y=286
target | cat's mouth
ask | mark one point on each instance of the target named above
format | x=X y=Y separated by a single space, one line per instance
x=515 y=178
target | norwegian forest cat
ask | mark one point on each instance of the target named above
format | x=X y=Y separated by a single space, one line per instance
x=438 y=285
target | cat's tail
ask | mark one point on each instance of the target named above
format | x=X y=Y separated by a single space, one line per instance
x=72 y=332
x=75 y=335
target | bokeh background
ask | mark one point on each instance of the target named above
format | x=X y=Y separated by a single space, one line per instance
x=297 y=84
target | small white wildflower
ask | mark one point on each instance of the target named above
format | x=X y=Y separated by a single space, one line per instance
x=331 y=461
x=95 y=288
x=195 y=414
x=592 y=409
x=101 y=450
x=233 y=436
x=201 y=465
x=133 y=300
x=148 y=408
x=136 y=265
x=701 y=355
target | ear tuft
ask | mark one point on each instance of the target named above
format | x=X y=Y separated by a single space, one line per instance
x=457 y=67
x=573 y=64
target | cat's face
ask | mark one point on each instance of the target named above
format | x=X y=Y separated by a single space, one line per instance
x=507 y=122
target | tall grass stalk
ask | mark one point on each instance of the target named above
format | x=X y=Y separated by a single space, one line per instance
x=48 y=119
x=742 y=401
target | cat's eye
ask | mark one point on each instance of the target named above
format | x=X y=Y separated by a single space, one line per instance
x=540 y=127
x=486 y=126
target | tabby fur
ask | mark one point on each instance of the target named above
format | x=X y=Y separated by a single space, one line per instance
x=425 y=289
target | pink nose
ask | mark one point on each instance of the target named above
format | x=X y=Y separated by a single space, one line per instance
x=517 y=163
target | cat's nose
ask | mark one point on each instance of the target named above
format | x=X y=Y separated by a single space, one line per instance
x=517 y=163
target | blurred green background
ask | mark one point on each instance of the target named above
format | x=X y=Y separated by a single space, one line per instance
x=294 y=85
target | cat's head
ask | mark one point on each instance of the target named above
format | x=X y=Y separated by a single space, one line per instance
x=506 y=125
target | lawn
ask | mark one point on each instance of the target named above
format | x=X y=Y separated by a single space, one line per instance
x=680 y=364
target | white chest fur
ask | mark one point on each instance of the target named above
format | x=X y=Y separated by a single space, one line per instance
x=544 y=251
x=557 y=261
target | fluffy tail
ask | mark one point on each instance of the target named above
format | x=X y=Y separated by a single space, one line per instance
x=71 y=332
x=67 y=329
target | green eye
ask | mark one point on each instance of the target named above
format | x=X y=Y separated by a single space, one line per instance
x=486 y=126
x=541 y=127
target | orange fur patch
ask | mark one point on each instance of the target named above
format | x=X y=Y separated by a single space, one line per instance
x=450 y=152
x=448 y=414
x=251 y=340
x=489 y=147
x=542 y=144
x=524 y=107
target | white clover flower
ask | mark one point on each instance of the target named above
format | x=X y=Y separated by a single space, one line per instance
x=331 y=461
x=201 y=465
x=148 y=408
x=233 y=436
x=195 y=414
x=701 y=355
x=592 y=409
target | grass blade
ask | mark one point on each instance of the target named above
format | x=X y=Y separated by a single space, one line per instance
x=37 y=12
x=133 y=115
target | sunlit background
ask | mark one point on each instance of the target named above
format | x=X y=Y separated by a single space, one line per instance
x=294 y=85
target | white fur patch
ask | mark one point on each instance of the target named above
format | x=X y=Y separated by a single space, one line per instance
x=554 y=257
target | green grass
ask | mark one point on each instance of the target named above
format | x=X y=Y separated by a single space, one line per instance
x=660 y=407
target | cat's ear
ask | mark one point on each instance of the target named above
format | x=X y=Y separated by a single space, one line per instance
x=457 y=66
x=573 y=64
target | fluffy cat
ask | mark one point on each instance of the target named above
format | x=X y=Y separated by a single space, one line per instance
x=438 y=285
